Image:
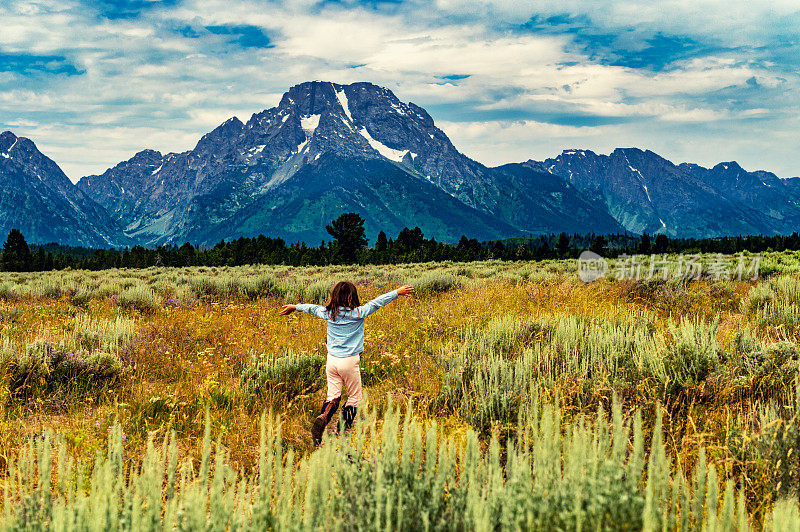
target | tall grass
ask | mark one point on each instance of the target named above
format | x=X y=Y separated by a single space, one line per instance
x=399 y=473
x=775 y=302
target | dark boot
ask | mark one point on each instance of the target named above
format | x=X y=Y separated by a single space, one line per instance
x=322 y=420
x=349 y=416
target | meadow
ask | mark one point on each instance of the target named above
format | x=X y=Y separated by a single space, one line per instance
x=505 y=395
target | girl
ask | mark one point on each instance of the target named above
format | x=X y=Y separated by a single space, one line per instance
x=345 y=317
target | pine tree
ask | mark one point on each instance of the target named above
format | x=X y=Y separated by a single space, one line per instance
x=381 y=244
x=348 y=232
x=662 y=243
x=644 y=245
x=563 y=245
x=17 y=256
x=598 y=245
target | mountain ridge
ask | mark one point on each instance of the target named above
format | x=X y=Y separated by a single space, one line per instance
x=330 y=148
x=242 y=162
x=40 y=200
x=648 y=193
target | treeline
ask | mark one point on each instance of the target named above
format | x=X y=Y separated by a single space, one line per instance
x=349 y=246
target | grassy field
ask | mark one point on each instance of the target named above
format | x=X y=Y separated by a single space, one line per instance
x=505 y=395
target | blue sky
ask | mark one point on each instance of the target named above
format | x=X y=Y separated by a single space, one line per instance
x=92 y=82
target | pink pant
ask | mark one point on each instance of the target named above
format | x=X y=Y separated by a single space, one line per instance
x=339 y=371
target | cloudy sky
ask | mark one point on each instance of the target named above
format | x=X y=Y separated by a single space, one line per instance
x=92 y=82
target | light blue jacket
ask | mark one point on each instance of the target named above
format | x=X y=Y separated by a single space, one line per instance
x=346 y=332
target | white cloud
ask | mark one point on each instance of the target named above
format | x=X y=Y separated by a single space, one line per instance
x=147 y=85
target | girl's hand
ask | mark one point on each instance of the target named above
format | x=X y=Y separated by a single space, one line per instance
x=405 y=290
x=287 y=309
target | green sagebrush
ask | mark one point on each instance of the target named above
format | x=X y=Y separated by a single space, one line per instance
x=282 y=376
x=140 y=297
x=396 y=473
x=44 y=369
x=490 y=370
x=436 y=282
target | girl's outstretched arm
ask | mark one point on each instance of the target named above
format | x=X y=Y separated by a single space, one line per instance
x=316 y=310
x=382 y=300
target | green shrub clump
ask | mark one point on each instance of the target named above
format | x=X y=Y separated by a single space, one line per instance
x=692 y=356
x=141 y=298
x=44 y=369
x=284 y=376
x=435 y=282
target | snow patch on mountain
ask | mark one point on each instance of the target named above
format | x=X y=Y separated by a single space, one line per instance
x=641 y=180
x=309 y=123
x=344 y=102
x=386 y=151
x=399 y=109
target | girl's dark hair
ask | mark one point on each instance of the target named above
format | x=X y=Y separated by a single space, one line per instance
x=344 y=294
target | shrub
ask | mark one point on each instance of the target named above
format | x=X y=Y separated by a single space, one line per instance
x=202 y=286
x=779 y=314
x=43 y=368
x=8 y=291
x=47 y=287
x=400 y=474
x=317 y=292
x=671 y=294
x=691 y=356
x=82 y=296
x=505 y=335
x=259 y=286
x=108 y=288
x=283 y=376
x=768 y=454
x=107 y=335
x=761 y=367
x=775 y=302
x=141 y=298
x=492 y=369
x=436 y=282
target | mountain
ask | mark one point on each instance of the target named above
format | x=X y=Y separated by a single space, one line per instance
x=326 y=149
x=38 y=199
x=647 y=193
x=776 y=200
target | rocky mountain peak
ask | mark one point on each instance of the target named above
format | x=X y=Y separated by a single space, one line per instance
x=146 y=157
x=219 y=136
x=731 y=176
x=6 y=139
x=729 y=166
x=12 y=146
x=38 y=198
